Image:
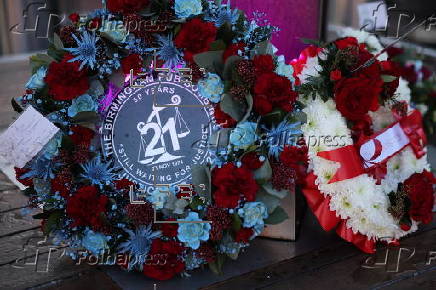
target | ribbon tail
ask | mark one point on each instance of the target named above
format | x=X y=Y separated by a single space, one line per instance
x=360 y=241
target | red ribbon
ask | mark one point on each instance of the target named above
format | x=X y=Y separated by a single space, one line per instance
x=329 y=220
x=351 y=163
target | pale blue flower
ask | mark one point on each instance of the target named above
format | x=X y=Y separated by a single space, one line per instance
x=192 y=233
x=192 y=261
x=138 y=245
x=36 y=81
x=97 y=172
x=84 y=103
x=114 y=30
x=229 y=246
x=285 y=70
x=211 y=87
x=86 y=50
x=52 y=147
x=167 y=51
x=244 y=134
x=253 y=214
x=94 y=242
x=222 y=15
x=159 y=196
x=187 y=8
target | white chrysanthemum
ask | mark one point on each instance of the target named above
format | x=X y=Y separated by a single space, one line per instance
x=403 y=91
x=311 y=68
x=370 y=40
x=381 y=118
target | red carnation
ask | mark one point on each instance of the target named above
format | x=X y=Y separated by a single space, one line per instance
x=419 y=188
x=346 y=42
x=357 y=95
x=164 y=260
x=123 y=184
x=296 y=158
x=81 y=135
x=271 y=91
x=244 y=235
x=133 y=61
x=251 y=161
x=126 y=6
x=335 y=75
x=233 y=183
x=59 y=184
x=233 y=50
x=65 y=80
x=74 y=17
x=169 y=230
x=263 y=63
x=223 y=119
x=86 y=207
x=195 y=37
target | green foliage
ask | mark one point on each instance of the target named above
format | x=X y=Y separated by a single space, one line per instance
x=278 y=216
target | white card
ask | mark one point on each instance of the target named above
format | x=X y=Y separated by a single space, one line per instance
x=25 y=138
x=373 y=16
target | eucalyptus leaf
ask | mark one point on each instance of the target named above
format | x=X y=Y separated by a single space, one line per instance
x=264 y=172
x=229 y=65
x=210 y=60
x=388 y=78
x=96 y=89
x=271 y=202
x=57 y=41
x=249 y=99
x=278 y=216
x=278 y=193
x=236 y=222
x=39 y=60
x=265 y=47
x=232 y=107
x=86 y=117
x=201 y=181
x=217 y=265
x=117 y=78
x=217 y=45
x=220 y=138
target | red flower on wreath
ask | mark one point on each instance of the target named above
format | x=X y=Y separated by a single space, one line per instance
x=263 y=63
x=81 y=135
x=244 y=235
x=232 y=184
x=419 y=188
x=223 y=119
x=164 y=260
x=65 y=80
x=22 y=171
x=126 y=6
x=251 y=161
x=195 y=36
x=233 y=50
x=273 y=91
x=356 y=96
x=86 y=207
x=132 y=61
x=296 y=158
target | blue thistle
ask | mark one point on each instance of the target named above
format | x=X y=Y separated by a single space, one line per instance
x=41 y=167
x=138 y=245
x=86 y=50
x=97 y=172
x=136 y=45
x=281 y=135
x=167 y=51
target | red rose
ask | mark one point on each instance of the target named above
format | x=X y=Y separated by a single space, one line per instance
x=357 y=95
x=296 y=158
x=81 y=135
x=233 y=50
x=274 y=89
x=65 y=80
x=94 y=24
x=195 y=36
x=123 y=184
x=251 y=161
x=263 y=64
x=419 y=188
x=244 y=235
x=74 y=17
x=335 y=75
x=223 y=119
x=126 y=6
x=390 y=68
x=86 y=206
x=394 y=51
x=58 y=184
x=21 y=171
x=164 y=260
x=233 y=183
x=133 y=61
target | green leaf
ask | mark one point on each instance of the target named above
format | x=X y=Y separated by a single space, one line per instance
x=52 y=222
x=315 y=42
x=218 y=44
x=217 y=265
x=278 y=193
x=96 y=89
x=264 y=172
x=229 y=65
x=236 y=222
x=17 y=108
x=249 y=99
x=232 y=107
x=388 y=78
x=220 y=138
x=271 y=202
x=210 y=60
x=39 y=60
x=278 y=216
x=55 y=53
x=265 y=47
x=201 y=181
x=57 y=42
x=233 y=256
